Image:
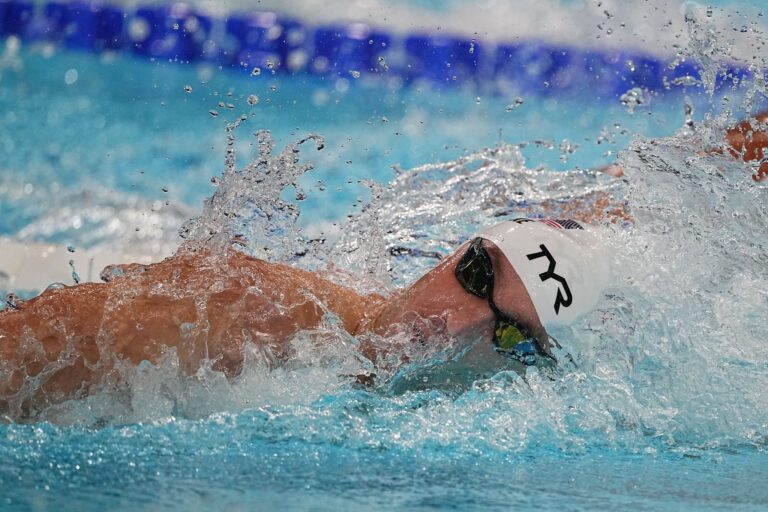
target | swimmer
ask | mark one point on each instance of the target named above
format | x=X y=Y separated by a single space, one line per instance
x=507 y=284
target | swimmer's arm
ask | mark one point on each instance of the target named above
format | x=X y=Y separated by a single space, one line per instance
x=56 y=345
x=748 y=141
x=69 y=338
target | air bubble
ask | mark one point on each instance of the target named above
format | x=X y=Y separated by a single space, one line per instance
x=253 y=99
x=187 y=88
x=256 y=72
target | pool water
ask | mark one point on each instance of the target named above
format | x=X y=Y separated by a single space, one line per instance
x=664 y=410
x=146 y=133
x=239 y=461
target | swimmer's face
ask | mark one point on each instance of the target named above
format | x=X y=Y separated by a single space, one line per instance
x=485 y=273
x=438 y=306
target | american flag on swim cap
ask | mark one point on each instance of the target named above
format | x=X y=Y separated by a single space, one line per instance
x=561 y=223
x=554 y=223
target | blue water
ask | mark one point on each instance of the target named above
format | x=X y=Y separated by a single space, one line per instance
x=145 y=132
x=241 y=462
x=659 y=421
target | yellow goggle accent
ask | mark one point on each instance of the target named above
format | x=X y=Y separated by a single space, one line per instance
x=508 y=336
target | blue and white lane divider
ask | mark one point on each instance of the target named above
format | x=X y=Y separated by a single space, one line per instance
x=271 y=41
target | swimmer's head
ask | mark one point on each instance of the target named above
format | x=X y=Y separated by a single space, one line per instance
x=562 y=264
x=543 y=273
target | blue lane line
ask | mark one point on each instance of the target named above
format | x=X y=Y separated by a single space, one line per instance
x=270 y=41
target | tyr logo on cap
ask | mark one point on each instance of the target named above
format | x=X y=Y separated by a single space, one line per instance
x=560 y=300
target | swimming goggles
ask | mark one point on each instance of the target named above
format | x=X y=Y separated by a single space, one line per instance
x=475 y=274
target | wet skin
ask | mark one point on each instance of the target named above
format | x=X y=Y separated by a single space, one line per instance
x=67 y=341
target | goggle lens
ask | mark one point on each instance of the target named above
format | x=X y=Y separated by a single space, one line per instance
x=475 y=272
x=507 y=336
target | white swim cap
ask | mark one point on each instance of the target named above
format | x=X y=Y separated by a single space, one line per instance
x=562 y=263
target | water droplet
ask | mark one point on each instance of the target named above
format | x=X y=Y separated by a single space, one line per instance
x=256 y=72
x=253 y=99
x=354 y=73
x=273 y=87
x=188 y=88
x=12 y=301
x=213 y=113
x=685 y=80
x=70 y=77
x=71 y=248
x=165 y=189
x=634 y=98
x=514 y=105
x=75 y=276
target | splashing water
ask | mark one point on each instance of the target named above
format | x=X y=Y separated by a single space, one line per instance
x=247 y=204
x=674 y=358
x=635 y=98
